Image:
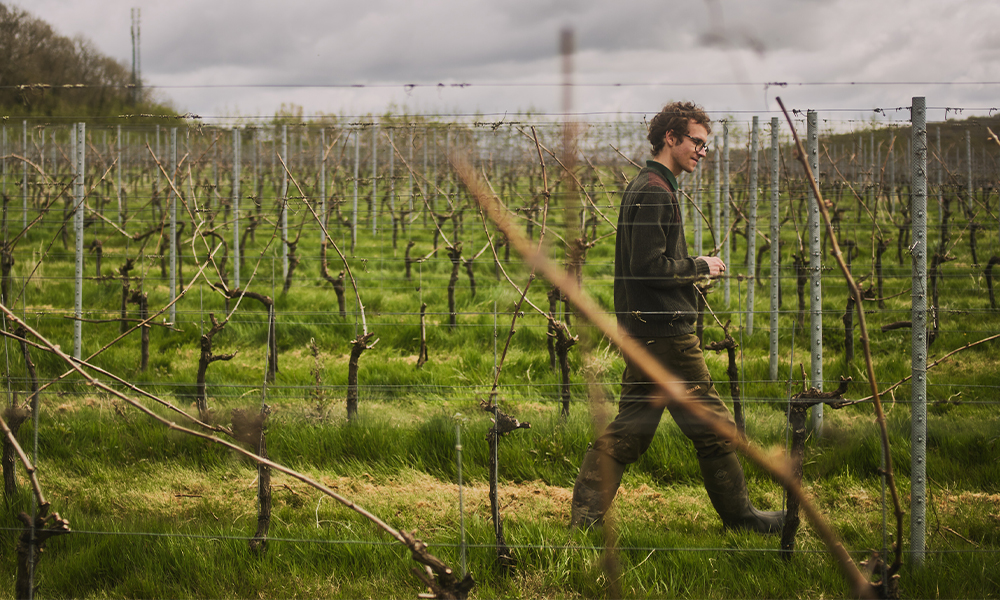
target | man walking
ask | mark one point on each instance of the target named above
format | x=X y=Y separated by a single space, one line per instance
x=656 y=303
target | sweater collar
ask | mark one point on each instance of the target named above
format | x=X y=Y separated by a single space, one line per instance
x=663 y=171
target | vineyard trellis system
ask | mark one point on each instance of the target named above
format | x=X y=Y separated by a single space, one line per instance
x=199 y=261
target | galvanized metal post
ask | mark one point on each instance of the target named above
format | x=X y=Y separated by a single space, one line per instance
x=859 y=177
x=374 y=211
x=434 y=166
x=354 y=213
x=172 y=206
x=24 y=172
x=815 y=270
x=427 y=173
x=775 y=248
x=118 y=169
x=3 y=157
x=968 y=172
x=892 y=179
x=446 y=181
x=918 y=332
x=724 y=230
x=877 y=181
x=79 y=195
x=696 y=216
x=717 y=193
x=392 y=175
x=158 y=156
x=752 y=222
x=284 y=203
x=410 y=171
x=215 y=177
x=940 y=177
x=236 y=206
x=461 y=503
x=322 y=184
x=872 y=170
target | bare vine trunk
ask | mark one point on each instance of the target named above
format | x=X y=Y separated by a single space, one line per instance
x=206 y=358
x=455 y=254
x=989 y=279
x=563 y=343
x=142 y=299
x=422 y=356
x=358 y=346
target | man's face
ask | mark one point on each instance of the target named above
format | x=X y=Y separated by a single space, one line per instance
x=688 y=149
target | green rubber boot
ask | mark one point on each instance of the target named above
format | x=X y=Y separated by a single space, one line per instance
x=727 y=489
x=595 y=488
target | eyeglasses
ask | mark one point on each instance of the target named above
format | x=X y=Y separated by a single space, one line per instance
x=699 y=144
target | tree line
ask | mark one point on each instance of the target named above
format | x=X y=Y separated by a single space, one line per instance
x=45 y=74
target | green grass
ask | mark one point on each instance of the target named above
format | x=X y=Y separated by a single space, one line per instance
x=156 y=513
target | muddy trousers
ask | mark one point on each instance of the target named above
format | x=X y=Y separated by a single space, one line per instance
x=627 y=437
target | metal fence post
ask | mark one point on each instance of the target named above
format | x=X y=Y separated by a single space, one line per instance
x=461 y=502
x=3 y=187
x=374 y=211
x=284 y=203
x=354 y=212
x=815 y=270
x=696 y=217
x=172 y=206
x=717 y=194
x=752 y=222
x=118 y=165
x=410 y=170
x=79 y=193
x=158 y=156
x=968 y=174
x=873 y=170
x=891 y=154
x=322 y=184
x=775 y=248
x=237 y=143
x=24 y=172
x=918 y=332
x=939 y=167
x=392 y=175
x=724 y=230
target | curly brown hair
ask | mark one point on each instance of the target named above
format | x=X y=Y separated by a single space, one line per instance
x=675 y=117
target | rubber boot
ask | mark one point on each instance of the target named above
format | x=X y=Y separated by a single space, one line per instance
x=595 y=488
x=727 y=489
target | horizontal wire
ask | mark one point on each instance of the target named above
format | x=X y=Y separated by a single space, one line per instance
x=455 y=546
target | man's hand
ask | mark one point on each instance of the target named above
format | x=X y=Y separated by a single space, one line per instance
x=715 y=265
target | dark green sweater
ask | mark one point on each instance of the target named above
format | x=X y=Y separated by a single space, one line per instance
x=654 y=276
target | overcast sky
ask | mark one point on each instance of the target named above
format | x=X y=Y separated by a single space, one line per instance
x=844 y=58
